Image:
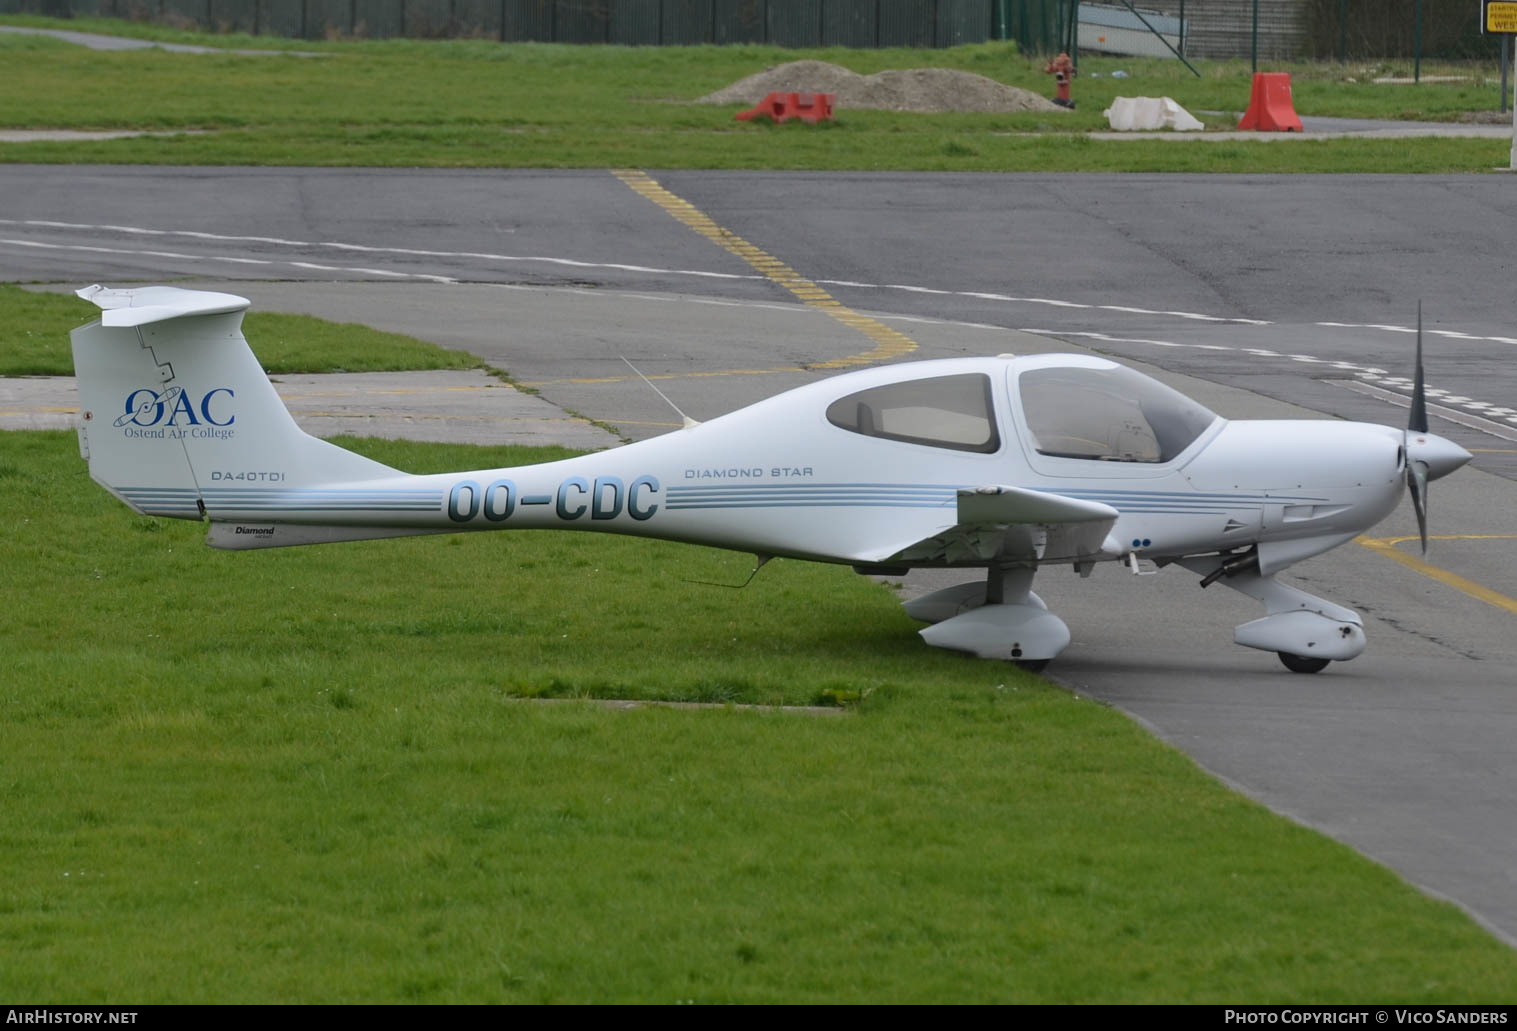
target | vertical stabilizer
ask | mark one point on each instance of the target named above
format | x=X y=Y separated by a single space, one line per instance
x=175 y=409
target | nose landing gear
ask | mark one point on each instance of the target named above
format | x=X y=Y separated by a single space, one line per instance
x=1303 y=663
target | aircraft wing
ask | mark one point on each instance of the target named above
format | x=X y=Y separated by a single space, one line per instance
x=1010 y=523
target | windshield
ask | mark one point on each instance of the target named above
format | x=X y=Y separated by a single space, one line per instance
x=1108 y=415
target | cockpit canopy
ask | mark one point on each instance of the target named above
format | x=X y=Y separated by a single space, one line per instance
x=1084 y=409
x=1110 y=414
x=945 y=411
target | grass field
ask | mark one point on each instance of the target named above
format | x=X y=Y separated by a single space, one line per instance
x=34 y=328
x=474 y=103
x=306 y=776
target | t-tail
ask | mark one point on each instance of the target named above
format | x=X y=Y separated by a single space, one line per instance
x=178 y=419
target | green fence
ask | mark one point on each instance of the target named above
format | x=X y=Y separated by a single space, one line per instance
x=1038 y=26
x=788 y=23
x=1274 y=29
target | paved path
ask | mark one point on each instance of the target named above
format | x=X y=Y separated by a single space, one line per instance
x=1316 y=127
x=100 y=41
x=465 y=407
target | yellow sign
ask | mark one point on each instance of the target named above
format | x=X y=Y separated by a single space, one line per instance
x=1501 y=16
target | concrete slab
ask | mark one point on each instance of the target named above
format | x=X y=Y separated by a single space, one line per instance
x=1319 y=127
x=77 y=135
x=467 y=407
x=1492 y=132
x=100 y=41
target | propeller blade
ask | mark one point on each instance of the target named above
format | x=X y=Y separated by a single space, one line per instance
x=1416 y=486
x=1417 y=421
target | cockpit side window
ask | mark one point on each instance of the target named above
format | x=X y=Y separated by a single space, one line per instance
x=1108 y=415
x=945 y=411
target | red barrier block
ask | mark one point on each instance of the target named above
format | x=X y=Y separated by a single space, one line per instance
x=1270 y=108
x=781 y=107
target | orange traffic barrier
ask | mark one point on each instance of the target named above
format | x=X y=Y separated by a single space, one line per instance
x=808 y=107
x=1270 y=108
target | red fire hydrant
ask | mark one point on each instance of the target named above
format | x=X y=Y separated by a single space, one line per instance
x=1062 y=69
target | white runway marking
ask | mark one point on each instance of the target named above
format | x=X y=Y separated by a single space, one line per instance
x=1487 y=411
x=1474 y=422
x=1370 y=374
x=175 y=255
x=1454 y=334
x=487 y=256
x=408 y=252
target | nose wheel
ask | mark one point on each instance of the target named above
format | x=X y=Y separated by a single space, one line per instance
x=1302 y=663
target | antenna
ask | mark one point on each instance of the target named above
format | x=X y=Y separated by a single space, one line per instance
x=761 y=560
x=687 y=422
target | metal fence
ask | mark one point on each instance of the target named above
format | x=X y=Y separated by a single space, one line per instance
x=1358 y=29
x=1331 y=29
x=1037 y=25
x=787 y=23
x=1269 y=29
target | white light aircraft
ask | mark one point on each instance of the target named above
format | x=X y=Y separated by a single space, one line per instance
x=1003 y=464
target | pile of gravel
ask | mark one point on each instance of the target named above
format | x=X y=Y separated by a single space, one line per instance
x=929 y=90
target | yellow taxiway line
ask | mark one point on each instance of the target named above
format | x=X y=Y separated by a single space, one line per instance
x=889 y=343
x=1387 y=546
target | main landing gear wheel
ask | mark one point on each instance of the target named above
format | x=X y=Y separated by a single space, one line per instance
x=1302 y=663
x=1031 y=665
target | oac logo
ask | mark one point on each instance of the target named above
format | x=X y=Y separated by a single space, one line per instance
x=149 y=408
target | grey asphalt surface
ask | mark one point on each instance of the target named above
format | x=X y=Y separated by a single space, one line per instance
x=1321 y=128
x=1405 y=753
x=99 y=41
x=1147 y=262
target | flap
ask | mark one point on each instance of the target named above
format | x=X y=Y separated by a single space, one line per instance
x=1019 y=505
x=1008 y=522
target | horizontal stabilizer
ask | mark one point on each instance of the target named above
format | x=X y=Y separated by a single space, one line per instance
x=244 y=536
x=121 y=308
